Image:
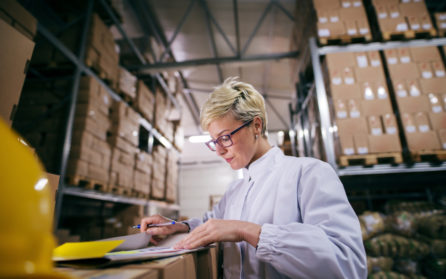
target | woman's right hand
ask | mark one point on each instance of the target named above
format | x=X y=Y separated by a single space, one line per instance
x=159 y=232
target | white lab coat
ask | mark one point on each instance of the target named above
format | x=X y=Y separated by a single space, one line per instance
x=309 y=229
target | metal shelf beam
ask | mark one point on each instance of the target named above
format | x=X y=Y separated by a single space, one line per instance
x=91 y=194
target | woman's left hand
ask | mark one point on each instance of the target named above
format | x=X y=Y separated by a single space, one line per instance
x=215 y=230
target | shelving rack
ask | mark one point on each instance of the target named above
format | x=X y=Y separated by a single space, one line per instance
x=326 y=123
x=81 y=68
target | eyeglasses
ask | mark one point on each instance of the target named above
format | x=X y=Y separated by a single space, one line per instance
x=225 y=140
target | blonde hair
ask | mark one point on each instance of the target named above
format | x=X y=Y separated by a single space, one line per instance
x=239 y=98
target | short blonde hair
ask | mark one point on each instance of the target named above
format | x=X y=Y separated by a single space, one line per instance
x=239 y=98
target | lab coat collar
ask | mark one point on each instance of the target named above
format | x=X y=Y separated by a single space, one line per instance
x=258 y=167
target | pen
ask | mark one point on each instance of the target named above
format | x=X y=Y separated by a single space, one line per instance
x=156 y=225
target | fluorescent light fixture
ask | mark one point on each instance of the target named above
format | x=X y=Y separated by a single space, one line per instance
x=292 y=133
x=199 y=139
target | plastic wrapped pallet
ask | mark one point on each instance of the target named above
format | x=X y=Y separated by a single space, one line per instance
x=376 y=264
x=373 y=223
x=394 y=246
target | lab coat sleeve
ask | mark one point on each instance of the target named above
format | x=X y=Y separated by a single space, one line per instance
x=327 y=243
x=217 y=212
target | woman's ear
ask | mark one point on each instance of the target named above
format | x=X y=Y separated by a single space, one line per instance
x=257 y=125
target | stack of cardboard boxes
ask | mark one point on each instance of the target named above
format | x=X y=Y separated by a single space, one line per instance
x=142 y=175
x=172 y=176
x=162 y=124
x=101 y=53
x=405 y=16
x=145 y=101
x=418 y=78
x=364 y=116
x=18 y=28
x=157 y=190
x=440 y=20
x=90 y=152
x=124 y=140
x=341 y=18
x=127 y=84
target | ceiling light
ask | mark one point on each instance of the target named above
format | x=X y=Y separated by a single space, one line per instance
x=199 y=139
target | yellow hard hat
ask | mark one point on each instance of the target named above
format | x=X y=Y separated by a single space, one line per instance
x=26 y=241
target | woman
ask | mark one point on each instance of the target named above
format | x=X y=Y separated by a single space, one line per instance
x=288 y=216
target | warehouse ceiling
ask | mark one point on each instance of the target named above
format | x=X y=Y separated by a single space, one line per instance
x=199 y=43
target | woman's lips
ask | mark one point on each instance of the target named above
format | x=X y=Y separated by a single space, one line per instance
x=228 y=160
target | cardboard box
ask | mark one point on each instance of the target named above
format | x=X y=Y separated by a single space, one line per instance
x=370 y=74
x=170 y=268
x=423 y=141
x=434 y=85
x=391 y=56
x=340 y=60
x=351 y=126
x=376 y=107
x=404 y=55
x=127 y=83
x=389 y=123
x=326 y=4
x=408 y=123
x=404 y=71
x=330 y=29
x=361 y=143
x=374 y=58
x=345 y=91
x=14 y=14
x=414 y=23
x=438 y=69
x=384 y=143
x=414 y=87
x=435 y=102
x=400 y=89
x=354 y=108
x=340 y=108
x=352 y=14
x=438 y=120
x=413 y=104
x=393 y=24
x=121 y=272
x=145 y=101
x=422 y=122
x=425 y=54
x=426 y=70
x=413 y=8
x=375 y=125
x=442 y=137
x=347 y=144
x=207 y=263
x=15 y=53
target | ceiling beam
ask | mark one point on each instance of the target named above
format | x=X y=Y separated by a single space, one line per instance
x=276 y=112
x=256 y=28
x=237 y=28
x=177 y=30
x=285 y=11
x=207 y=14
x=210 y=61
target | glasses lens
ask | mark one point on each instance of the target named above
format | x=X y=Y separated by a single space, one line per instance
x=211 y=145
x=225 y=141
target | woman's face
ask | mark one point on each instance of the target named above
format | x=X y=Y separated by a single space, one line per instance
x=240 y=154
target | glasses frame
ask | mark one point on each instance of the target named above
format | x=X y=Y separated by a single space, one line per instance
x=217 y=140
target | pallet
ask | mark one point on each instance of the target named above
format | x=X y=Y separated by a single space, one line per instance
x=345 y=39
x=86 y=183
x=370 y=159
x=139 y=194
x=119 y=190
x=409 y=34
x=429 y=156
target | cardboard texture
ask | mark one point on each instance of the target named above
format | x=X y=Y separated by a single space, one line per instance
x=376 y=107
x=438 y=120
x=384 y=143
x=127 y=83
x=423 y=141
x=18 y=17
x=15 y=51
x=351 y=126
x=413 y=104
x=145 y=101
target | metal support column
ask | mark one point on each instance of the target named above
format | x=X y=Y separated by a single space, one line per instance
x=324 y=112
x=71 y=112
